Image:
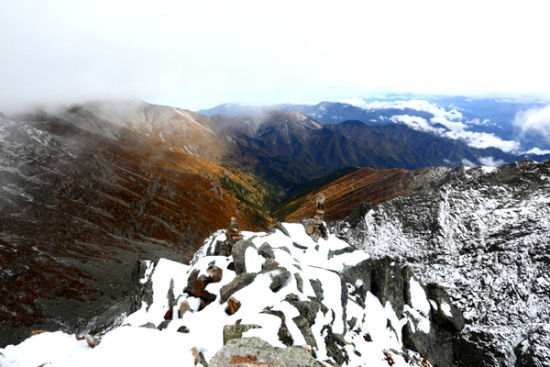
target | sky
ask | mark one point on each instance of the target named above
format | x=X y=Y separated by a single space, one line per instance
x=197 y=54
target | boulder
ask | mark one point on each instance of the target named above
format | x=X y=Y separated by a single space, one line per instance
x=215 y=274
x=233 y=305
x=257 y=352
x=279 y=278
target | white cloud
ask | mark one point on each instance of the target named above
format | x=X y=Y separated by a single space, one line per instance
x=490 y=161
x=451 y=119
x=535 y=120
x=358 y=102
x=468 y=163
x=538 y=151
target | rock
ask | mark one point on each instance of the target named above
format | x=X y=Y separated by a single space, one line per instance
x=317 y=288
x=284 y=334
x=240 y=281
x=141 y=288
x=257 y=352
x=168 y=314
x=282 y=228
x=233 y=305
x=149 y=325
x=215 y=274
x=269 y=265
x=38 y=331
x=238 y=253
x=91 y=340
x=221 y=248
x=236 y=331
x=183 y=329
x=279 y=278
x=534 y=350
x=299 y=282
x=163 y=325
x=447 y=315
x=184 y=307
x=195 y=287
x=266 y=251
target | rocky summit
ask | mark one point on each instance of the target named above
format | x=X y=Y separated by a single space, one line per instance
x=483 y=234
x=271 y=299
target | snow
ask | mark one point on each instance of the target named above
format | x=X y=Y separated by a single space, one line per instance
x=131 y=344
x=446 y=308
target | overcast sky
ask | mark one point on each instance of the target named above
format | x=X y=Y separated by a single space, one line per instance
x=197 y=54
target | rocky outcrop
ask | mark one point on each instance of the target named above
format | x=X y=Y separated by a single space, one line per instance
x=483 y=235
x=257 y=352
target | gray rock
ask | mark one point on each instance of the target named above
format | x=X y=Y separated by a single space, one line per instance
x=238 y=253
x=534 y=350
x=260 y=351
x=279 y=278
x=239 y=282
x=299 y=282
x=266 y=251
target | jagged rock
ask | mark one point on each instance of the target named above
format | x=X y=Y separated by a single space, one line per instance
x=534 y=350
x=282 y=228
x=220 y=248
x=183 y=329
x=215 y=273
x=269 y=264
x=240 y=281
x=163 y=325
x=299 y=282
x=236 y=331
x=335 y=345
x=233 y=305
x=184 y=307
x=197 y=287
x=317 y=288
x=141 y=286
x=266 y=251
x=238 y=254
x=148 y=325
x=92 y=341
x=446 y=314
x=279 y=278
x=284 y=334
x=262 y=352
x=483 y=234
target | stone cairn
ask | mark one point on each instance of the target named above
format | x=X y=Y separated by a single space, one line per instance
x=316 y=227
x=233 y=234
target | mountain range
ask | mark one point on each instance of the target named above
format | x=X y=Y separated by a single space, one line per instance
x=88 y=190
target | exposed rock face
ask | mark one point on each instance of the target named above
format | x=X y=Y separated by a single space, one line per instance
x=484 y=236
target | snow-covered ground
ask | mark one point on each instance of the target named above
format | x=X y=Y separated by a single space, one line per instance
x=291 y=279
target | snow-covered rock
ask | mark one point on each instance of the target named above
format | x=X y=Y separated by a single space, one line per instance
x=343 y=307
x=484 y=235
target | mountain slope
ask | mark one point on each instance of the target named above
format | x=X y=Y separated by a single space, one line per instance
x=78 y=209
x=347 y=193
x=484 y=235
